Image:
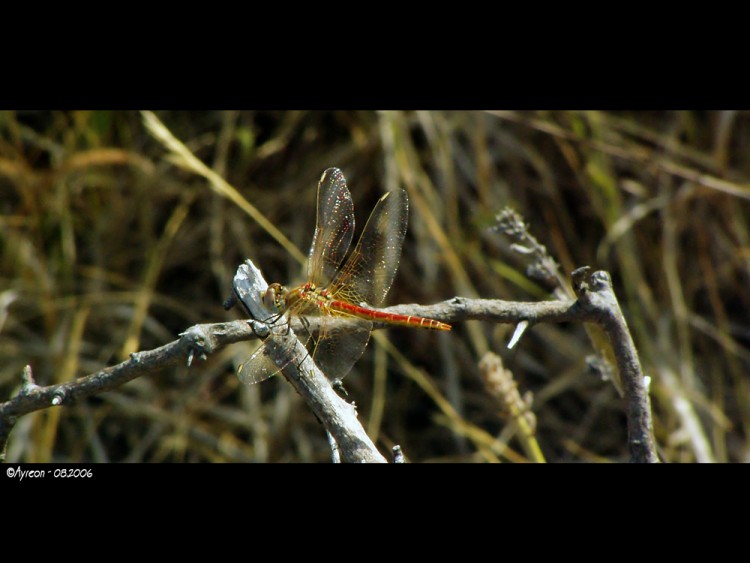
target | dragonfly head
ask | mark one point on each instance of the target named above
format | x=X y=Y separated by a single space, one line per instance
x=275 y=297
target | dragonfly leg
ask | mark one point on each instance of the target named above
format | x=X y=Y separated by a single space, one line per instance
x=273 y=318
x=307 y=355
x=269 y=322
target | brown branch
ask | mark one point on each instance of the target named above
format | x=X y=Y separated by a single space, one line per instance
x=596 y=303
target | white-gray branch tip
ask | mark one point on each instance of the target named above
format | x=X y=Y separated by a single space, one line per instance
x=249 y=286
x=518 y=333
x=28 y=381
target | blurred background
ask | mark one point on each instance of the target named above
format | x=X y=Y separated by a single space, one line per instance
x=110 y=244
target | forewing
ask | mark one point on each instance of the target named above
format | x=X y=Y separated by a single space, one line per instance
x=369 y=272
x=334 y=228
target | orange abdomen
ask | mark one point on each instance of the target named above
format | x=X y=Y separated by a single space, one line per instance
x=391 y=318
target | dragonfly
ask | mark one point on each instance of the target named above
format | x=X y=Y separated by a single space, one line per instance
x=352 y=291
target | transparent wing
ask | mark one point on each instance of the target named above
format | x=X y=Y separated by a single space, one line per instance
x=366 y=277
x=369 y=272
x=339 y=350
x=258 y=367
x=334 y=228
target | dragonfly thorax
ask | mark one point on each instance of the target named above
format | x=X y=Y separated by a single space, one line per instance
x=282 y=298
x=309 y=293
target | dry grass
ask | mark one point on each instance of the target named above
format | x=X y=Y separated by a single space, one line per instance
x=108 y=247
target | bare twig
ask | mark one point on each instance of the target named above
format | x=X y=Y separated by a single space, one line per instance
x=203 y=339
x=596 y=295
x=544 y=267
x=596 y=303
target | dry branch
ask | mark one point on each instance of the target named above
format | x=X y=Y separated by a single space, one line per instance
x=596 y=303
x=348 y=439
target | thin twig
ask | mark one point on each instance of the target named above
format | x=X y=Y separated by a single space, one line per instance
x=595 y=293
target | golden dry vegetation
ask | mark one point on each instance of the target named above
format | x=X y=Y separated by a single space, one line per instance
x=111 y=243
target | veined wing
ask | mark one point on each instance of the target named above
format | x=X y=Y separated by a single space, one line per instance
x=369 y=272
x=340 y=349
x=367 y=276
x=334 y=228
x=258 y=367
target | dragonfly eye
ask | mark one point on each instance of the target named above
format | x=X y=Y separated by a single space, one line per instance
x=274 y=297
